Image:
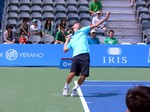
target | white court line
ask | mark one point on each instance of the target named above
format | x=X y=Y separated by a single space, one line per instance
x=117 y=81
x=84 y=103
x=114 y=85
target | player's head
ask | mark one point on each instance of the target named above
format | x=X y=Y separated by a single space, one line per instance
x=138 y=99
x=76 y=25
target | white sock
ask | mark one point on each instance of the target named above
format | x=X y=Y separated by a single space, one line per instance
x=66 y=86
x=76 y=86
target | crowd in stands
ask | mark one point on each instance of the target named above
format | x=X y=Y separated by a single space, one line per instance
x=58 y=31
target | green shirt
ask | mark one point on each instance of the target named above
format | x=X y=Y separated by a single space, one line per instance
x=109 y=40
x=60 y=36
x=95 y=6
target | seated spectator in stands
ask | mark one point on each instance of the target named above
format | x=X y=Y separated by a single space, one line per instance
x=97 y=18
x=25 y=27
x=35 y=28
x=111 y=39
x=9 y=35
x=132 y=3
x=92 y=39
x=61 y=36
x=62 y=23
x=47 y=28
x=138 y=99
x=95 y=6
x=22 y=39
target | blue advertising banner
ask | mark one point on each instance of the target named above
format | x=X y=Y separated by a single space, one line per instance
x=53 y=55
x=30 y=55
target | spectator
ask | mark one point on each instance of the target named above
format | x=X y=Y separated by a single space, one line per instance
x=138 y=99
x=9 y=35
x=35 y=29
x=93 y=39
x=48 y=28
x=97 y=18
x=62 y=23
x=132 y=3
x=95 y=6
x=61 y=36
x=22 y=39
x=25 y=27
x=111 y=39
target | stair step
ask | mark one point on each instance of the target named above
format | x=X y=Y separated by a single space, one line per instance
x=121 y=17
x=130 y=24
x=116 y=10
x=129 y=39
x=122 y=20
x=115 y=3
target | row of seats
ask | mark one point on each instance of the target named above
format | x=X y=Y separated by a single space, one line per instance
x=57 y=9
x=16 y=10
x=142 y=8
x=52 y=3
x=34 y=39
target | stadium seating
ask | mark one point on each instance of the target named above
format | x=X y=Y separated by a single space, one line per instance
x=47 y=39
x=34 y=39
x=73 y=10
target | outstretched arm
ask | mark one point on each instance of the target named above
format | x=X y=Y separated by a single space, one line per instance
x=101 y=21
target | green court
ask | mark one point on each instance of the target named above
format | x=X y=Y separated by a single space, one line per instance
x=38 y=89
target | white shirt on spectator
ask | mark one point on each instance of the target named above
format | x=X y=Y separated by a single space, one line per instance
x=96 y=19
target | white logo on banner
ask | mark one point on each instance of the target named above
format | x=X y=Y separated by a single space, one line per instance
x=149 y=56
x=11 y=54
x=114 y=51
x=115 y=56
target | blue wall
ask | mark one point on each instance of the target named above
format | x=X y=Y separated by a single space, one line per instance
x=53 y=55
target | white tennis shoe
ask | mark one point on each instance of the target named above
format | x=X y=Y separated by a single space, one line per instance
x=74 y=93
x=65 y=92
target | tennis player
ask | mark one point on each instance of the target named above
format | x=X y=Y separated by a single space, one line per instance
x=78 y=41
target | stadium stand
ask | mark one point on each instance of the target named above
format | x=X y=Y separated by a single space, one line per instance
x=126 y=21
x=47 y=39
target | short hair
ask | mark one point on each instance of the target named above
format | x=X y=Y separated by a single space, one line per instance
x=62 y=27
x=138 y=99
x=111 y=31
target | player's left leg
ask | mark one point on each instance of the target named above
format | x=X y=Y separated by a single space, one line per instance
x=79 y=82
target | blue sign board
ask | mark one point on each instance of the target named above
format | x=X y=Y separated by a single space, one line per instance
x=53 y=55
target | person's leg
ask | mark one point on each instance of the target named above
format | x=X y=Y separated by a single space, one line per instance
x=79 y=83
x=132 y=2
x=69 y=79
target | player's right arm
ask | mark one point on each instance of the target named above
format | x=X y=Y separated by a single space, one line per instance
x=66 y=43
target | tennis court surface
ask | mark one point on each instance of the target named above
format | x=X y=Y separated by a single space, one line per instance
x=39 y=89
x=105 y=96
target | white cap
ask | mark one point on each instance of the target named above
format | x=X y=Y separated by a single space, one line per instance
x=34 y=20
x=93 y=31
x=98 y=12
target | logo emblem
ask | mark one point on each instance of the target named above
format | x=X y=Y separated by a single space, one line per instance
x=11 y=54
x=114 y=51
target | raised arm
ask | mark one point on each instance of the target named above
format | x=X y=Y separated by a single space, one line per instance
x=100 y=21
